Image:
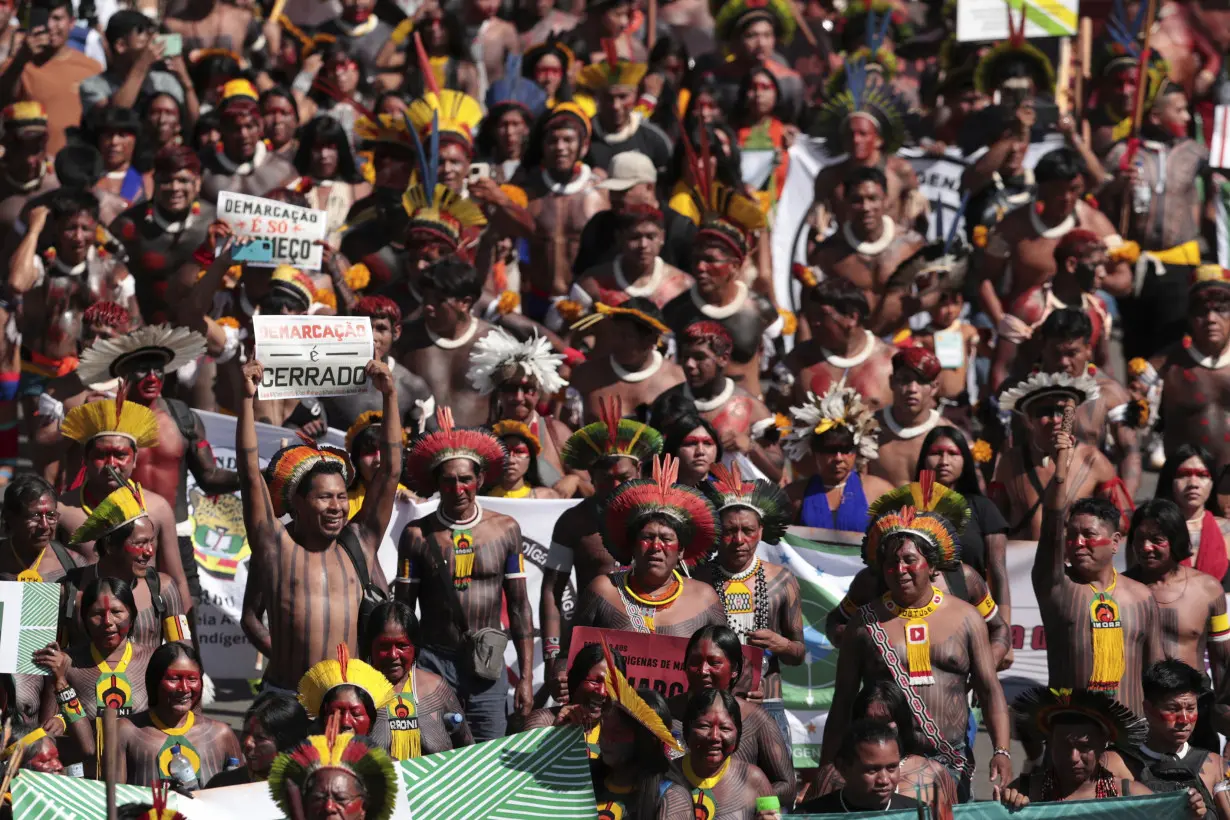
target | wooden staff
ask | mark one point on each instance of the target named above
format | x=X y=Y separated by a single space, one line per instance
x=1142 y=82
x=651 y=19
x=1063 y=82
x=14 y=765
x=801 y=23
x=111 y=760
x=1084 y=49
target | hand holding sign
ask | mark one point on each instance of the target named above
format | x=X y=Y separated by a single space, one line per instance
x=252 y=373
x=313 y=356
x=285 y=234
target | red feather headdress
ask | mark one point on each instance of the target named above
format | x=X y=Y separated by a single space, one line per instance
x=692 y=515
x=449 y=442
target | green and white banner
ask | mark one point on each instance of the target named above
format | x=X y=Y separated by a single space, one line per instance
x=983 y=20
x=38 y=796
x=29 y=613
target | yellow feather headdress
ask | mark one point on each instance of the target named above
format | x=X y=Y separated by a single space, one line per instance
x=442 y=212
x=327 y=675
x=612 y=72
x=459 y=114
x=625 y=697
x=123 y=506
x=134 y=422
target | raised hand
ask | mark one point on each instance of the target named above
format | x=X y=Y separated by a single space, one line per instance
x=381 y=377
x=252 y=372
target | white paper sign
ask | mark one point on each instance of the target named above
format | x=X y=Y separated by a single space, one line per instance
x=286 y=234
x=980 y=20
x=312 y=355
x=950 y=349
x=29 y=614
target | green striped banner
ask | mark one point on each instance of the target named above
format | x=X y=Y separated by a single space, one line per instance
x=1052 y=16
x=40 y=611
x=542 y=773
x=38 y=796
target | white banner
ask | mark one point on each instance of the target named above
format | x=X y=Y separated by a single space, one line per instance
x=309 y=356
x=286 y=234
x=981 y=20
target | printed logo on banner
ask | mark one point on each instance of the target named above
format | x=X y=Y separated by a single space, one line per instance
x=218 y=535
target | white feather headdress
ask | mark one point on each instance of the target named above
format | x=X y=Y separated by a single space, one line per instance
x=105 y=358
x=841 y=406
x=1080 y=389
x=498 y=357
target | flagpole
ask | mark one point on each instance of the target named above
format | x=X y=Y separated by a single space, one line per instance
x=1084 y=50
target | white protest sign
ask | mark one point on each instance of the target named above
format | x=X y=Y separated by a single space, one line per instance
x=979 y=20
x=285 y=234
x=29 y=614
x=312 y=355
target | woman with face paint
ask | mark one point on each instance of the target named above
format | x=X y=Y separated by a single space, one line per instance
x=274 y=723
x=723 y=786
x=173 y=725
x=667 y=527
x=414 y=723
x=714 y=660
x=697 y=446
x=1187 y=479
x=329 y=177
x=520 y=477
x=587 y=696
x=631 y=766
x=105 y=669
x=39 y=754
x=126 y=541
x=350 y=690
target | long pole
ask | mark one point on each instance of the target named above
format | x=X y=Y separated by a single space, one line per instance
x=1142 y=82
x=1084 y=50
x=110 y=761
x=651 y=36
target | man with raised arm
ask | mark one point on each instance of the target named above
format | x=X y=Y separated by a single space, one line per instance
x=1102 y=629
x=310 y=574
x=461 y=563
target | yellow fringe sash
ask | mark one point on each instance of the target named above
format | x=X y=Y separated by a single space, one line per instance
x=407 y=740
x=917 y=636
x=1107 y=629
x=463 y=559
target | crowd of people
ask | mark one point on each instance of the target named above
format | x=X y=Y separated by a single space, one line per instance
x=557 y=219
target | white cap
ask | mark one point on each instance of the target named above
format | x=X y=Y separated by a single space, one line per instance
x=628 y=169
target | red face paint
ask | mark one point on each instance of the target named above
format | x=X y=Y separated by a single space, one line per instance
x=150 y=387
x=697 y=441
x=1077 y=542
x=1180 y=716
x=393 y=653
x=1192 y=472
x=180 y=686
x=352 y=715
x=648 y=541
x=47 y=761
x=944 y=450
x=110 y=452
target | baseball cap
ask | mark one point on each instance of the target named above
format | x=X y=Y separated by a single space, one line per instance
x=628 y=169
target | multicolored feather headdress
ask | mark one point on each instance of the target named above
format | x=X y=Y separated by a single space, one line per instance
x=508 y=427
x=874 y=54
x=449 y=442
x=729 y=17
x=107 y=357
x=364 y=421
x=693 y=516
x=625 y=697
x=161 y=794
x=515 y=91
x=367 y=762
x=451 y=115
x=925 y=509
x=435 y=209
x=122 y=506
x=500 y=357
x=612 y=437
x=290 y=465
x=866 y=94
x=992 y=69
x=729 y=491
x=383 y=129
x=724 y=213
x=841 y=406
x=872 y=21
x=111 y=417
x=1121 y=45
x=1080 y=389
x=612 y=72
x=327 y=675
x=1041 y=706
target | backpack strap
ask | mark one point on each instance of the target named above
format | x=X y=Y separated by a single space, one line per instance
x=64 y=555
x=956 y=582
x=350 y=543
x=72 y=585
x=154 y=580
x=184 y=419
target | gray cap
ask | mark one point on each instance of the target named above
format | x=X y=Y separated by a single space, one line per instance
x=628 y=169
